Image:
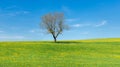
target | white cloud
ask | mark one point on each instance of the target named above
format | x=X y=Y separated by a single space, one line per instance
x=91 y=25
x=72 y=20
x=25 y=12
x=76 y=25
x=65 y=9
x=101 y=24
x=84 y=33
x=1 y=31
x=81 y=25
x=17 y=13
x=32 y=31
x=36 y=31
x=12 y=11
x=12 y=37
x=11 y=7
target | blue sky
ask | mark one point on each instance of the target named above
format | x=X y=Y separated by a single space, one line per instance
x=20 y=19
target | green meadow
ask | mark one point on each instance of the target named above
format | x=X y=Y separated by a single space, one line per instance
x=76 y=53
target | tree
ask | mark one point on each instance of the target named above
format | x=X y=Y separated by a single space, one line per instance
x=54 y=24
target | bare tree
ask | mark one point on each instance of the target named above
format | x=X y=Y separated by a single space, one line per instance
x=54 y=24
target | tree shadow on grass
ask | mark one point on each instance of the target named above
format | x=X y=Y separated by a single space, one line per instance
x=67 y=42
x=61 y=42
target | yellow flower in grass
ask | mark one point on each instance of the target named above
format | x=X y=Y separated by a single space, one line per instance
x=63 y=54
x=116 y=56
x=39 y=66
x=14 y=60
x=16 y=54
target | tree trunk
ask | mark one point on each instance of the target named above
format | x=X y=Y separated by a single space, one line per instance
x=55 y=39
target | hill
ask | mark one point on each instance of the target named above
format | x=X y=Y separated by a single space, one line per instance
x=79 y=53
x=103 y=40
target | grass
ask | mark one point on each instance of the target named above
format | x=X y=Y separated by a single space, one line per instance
x=79 y=53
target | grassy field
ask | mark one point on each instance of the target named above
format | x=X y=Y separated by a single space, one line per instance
x=82 y=53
